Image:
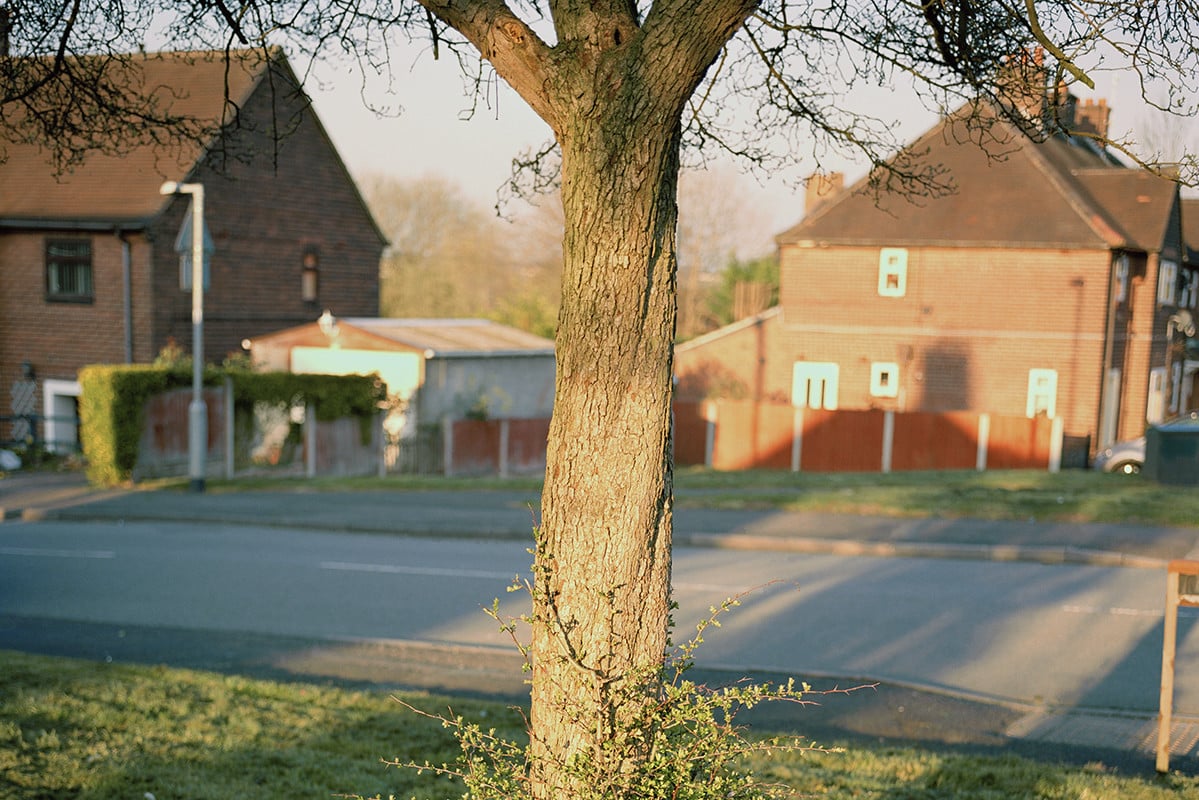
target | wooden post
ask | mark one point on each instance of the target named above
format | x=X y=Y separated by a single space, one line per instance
x=1174 y=598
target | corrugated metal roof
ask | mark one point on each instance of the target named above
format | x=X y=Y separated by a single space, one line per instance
x=455 y=337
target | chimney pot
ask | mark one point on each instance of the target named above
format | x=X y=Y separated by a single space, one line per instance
x=819 y=187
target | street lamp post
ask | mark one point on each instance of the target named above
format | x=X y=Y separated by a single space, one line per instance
x=197 y=411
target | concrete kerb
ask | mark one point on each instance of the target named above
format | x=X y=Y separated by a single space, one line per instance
x=945 y=550
x=1055 y=554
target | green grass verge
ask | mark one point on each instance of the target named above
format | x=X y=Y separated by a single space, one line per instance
x=95 y=731
x=1069 y=496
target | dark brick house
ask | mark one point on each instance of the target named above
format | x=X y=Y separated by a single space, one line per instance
x=89 y=271
x=1052 y=282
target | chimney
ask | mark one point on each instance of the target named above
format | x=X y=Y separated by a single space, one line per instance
x=819 y=187
x=1023 y=83
x=1092 y=117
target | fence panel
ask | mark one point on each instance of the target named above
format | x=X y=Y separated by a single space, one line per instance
x=526 y=445
x=841 y=441
x=930 y=440
x=690 y=434
x=1019 y=443
x=476 y=447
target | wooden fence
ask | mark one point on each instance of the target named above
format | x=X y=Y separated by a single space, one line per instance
x=736 y=435
x=723 y=434
x=275 y=441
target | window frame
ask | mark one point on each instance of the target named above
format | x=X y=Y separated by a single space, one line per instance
x=892 y=261
x=1123 y=269
x=815 y=384
x=82 y=266
x=884 y=379
x=1167 y=282
x=1032 y=407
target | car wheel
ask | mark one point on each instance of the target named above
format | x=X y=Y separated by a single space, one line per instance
x=1127 y=467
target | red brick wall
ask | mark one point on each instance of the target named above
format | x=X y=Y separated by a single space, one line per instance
x=970 y=326
x=57 y=338
x=738 y=362
x=262 y=218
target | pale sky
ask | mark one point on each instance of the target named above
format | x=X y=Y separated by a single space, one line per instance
x=432 y=134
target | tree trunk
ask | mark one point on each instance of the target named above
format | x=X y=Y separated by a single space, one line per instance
x=602 y=570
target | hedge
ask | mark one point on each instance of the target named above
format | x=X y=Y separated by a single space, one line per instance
x=113 y=398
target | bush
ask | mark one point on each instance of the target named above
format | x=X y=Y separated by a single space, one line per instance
x=113 y=398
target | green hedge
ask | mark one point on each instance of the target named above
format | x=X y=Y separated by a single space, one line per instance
x=113 y=398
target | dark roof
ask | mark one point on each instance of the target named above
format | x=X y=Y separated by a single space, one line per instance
x=124 y=188
x=1190 y=228
x=1010 y=191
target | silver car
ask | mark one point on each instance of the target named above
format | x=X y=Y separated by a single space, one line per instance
x=1125 y=457
x=1128 y=457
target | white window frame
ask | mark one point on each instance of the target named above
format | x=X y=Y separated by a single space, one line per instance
x=1155 y=407
x=884 y=379
x=1122 y=270
x=892 y=263
x=1042 y=393
x=1167 y=282
x=814 y=384
x=1189 y=297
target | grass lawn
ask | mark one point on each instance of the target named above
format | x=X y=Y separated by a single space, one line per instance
x=85 y=730
x=1068 y=496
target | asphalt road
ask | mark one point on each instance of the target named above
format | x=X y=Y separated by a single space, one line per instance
x=1036 y=634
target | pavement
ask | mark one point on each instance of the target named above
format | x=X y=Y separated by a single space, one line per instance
x=892 y=713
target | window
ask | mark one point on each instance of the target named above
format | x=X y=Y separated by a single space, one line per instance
x=1042 y=393
x=892 y=272
x=184 y=247
x=884 y=379
x=814 y=384
x=1167 y=282
x=1155 y=409
x=1122 y=278
x=1189 y=296
x=69 y=270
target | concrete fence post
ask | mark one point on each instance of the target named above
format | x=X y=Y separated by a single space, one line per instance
x=888 y=439
x=1056 y=438
x=504 y=447
x=797 y=439
x=984 y=442
x=447 y=446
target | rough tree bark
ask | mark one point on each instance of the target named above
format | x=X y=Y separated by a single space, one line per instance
x=613 y=89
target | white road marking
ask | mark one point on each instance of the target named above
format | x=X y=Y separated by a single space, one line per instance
x=396 y=569
x=1114 y=612
x=38 y=552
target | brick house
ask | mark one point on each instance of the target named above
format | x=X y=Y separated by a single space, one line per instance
x=89 y=271
x=1048 y=284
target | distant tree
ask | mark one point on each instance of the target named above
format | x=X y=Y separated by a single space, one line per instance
x=446 y=257
x=624 y=86
x=746 y=288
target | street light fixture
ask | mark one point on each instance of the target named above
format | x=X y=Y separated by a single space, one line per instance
x=197 y=411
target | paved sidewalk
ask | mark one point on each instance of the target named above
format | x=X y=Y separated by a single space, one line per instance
x=911 y=713
x=513 y=514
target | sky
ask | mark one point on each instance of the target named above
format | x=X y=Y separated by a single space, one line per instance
x=434 y=134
